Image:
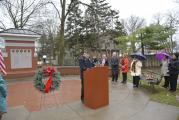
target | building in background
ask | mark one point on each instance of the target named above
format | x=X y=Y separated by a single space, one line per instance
x=19 y=52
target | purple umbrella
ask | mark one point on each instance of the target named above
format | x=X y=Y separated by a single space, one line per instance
x=160 y=55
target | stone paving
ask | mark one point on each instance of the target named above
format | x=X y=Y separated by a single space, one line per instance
x=23 y=93
x=126 y=103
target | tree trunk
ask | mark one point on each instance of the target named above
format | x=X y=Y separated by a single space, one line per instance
x=142 y=44
x=133 y=46
x=171 y=38
x=61 y=49
x=143 y=48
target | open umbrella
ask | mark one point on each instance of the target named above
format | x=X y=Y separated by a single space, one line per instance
x=138 y=56
x=160 y=55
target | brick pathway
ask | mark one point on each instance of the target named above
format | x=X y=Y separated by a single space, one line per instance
x=125 y=103
x=24 y=93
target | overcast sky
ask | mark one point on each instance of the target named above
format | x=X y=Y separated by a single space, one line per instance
x=142 y=8
x=145 y=9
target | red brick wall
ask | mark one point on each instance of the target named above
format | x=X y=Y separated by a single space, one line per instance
x=69 y=70
x=64 y=70
x=72 y=70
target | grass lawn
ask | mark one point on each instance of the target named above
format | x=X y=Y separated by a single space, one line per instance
x=158 y=93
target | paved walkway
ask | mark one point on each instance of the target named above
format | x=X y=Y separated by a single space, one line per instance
x=126 y=103
x=24 y=93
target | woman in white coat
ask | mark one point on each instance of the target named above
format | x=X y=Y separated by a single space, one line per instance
x=136 y=66
x=165 y=70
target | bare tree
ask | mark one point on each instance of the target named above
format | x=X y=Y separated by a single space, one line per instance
x=131 y=25
x=172 y=21
x=2 y=25
x=21 y=12
x=158 y=18
x=65 y=10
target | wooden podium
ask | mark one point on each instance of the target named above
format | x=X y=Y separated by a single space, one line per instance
x=96 y=89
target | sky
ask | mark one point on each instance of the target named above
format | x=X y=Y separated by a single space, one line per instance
x=143 y=8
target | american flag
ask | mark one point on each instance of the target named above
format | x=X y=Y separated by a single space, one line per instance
x=2 y=65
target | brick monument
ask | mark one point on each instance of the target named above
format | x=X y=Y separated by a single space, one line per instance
x=19 y=52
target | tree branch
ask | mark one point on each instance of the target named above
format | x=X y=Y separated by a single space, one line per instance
x=61 y=3
x=26 y=8
x=22 y=13
x=37 y=7
x=71 y=5
x=28 y=16
x=55 y=8
x=70 y=8
x=3 y=26
x=8 y=6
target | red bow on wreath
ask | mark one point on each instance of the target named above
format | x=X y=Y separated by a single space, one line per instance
x=48 y=72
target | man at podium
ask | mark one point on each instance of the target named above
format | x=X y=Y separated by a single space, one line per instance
x=84 y=63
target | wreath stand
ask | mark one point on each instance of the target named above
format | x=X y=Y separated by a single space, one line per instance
x=47 y=89
x=44 y=97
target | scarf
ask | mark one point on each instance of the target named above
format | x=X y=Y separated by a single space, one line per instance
x=134 y=66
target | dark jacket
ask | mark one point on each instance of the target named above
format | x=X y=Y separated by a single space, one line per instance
x=115 y=65
x=174 y=67
x=84 y=64
x=88 y=63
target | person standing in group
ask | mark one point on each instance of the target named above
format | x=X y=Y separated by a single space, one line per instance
x=124 y=68
x=114 y=67
x=136 y=66
x=104 y=60
x=84 y=63
x=165 y=70
x=3 y=88
x=173 y=72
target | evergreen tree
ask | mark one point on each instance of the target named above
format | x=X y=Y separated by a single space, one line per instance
x=84 y=30
x=74 y=30
x=156 y=37
x=42 y=48
x=100 y=20
x=47 y=46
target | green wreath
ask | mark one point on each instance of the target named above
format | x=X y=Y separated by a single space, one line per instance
x=40 y=85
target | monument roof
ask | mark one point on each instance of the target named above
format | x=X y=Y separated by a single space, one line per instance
x=14 y=32
x=19 y=31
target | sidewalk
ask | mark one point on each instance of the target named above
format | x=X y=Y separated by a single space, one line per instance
x=126 y=103
x=23 y=93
